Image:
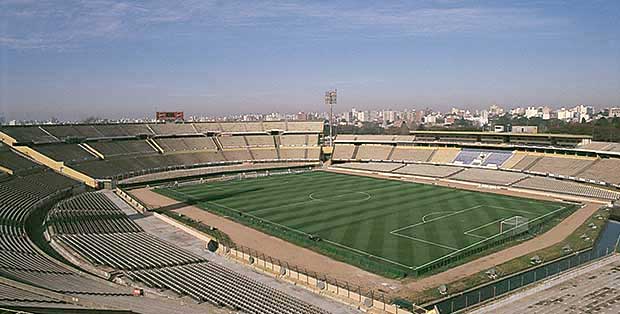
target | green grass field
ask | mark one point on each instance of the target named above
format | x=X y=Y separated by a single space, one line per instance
x=403 y=224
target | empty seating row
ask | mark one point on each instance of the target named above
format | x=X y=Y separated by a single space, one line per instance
x=204 y=171
x=343 y=152
x=175 y=144
x=216 y=284
x=69 y=153
x=486 y=176
x=605 y=170
x=123 y=148
x=566 y=166
x=372 y=166
x=10 y=160
x=10 y=293
x=566 y=187
x=412 y=153
x=373 y=152
x=128 y=251
x=425 y=170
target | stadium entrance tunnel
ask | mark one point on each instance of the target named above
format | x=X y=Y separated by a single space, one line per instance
x=340 y=196
x=212 y=246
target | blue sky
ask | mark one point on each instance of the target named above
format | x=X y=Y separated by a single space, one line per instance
x=73 y=58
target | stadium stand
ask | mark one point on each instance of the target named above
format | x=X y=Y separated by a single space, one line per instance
x=372 y=166
x=88 y=213
x=12 y=161
x=186 y=173
x=434 y=171
x=13 y=294
x=295 y=140
x=343 y=152
x=274 y=125
x=69 y=153
x=29 y=134
x=601 y=146
x=605 y=170
x=412 y=153
x=19 y=258
x=445 y=155
x=562 y=165
x=260 y=141
x=178 y=144
x=122 y=148
x=346 y=137
x=240 y=154
x=172 y=129
x=513 y=160
x=496 y=158
x=374 y=152
x=264 y=153
x=232 y=141
x=208 y=127
x=469 y=156
x=216 y=284
x=233 y=127
x=526 y=162
x=566 y=187
x=486 y=176
x=375 y=138
x=292 y=153
x=156 y=263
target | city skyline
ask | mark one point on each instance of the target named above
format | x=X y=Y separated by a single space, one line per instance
x=113 y=59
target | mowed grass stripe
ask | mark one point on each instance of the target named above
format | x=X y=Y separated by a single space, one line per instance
x=345 y=217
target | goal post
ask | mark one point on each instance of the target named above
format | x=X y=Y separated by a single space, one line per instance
x=514 y=225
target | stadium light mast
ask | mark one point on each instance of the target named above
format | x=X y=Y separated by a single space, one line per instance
x=330 y=100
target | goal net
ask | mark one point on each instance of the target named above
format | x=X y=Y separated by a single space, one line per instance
x=514 y=225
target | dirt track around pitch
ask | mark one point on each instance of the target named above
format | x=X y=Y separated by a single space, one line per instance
x=315 y=262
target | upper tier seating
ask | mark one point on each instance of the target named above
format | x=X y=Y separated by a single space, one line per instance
x=374 y=152
x=185 y=144
x=11 y=160
x=69 y=153
x=412 y=153
x=496 y=158
x=566 y=166
x=445 y=155
x=294 y=140
x=424 y=170
x=260 y=141
x=605 y=170
x=27 y=134
x=343 y=152
x=232 y=141
x=172 y=128
x=526 y=162
x=123 y=148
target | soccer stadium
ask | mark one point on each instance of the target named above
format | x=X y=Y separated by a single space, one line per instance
x=266 y=217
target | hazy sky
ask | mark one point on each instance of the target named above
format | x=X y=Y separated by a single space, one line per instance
x=75 y=58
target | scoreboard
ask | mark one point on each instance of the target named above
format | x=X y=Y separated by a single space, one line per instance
x=170 y=116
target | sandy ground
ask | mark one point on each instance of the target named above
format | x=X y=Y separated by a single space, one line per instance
x=315 y=262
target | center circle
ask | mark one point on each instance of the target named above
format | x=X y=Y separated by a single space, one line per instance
x=340 y=196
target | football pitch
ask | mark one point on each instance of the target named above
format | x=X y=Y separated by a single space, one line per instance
x=405 y=224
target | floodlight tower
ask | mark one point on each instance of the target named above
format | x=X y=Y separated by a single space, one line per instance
x=330 y=100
